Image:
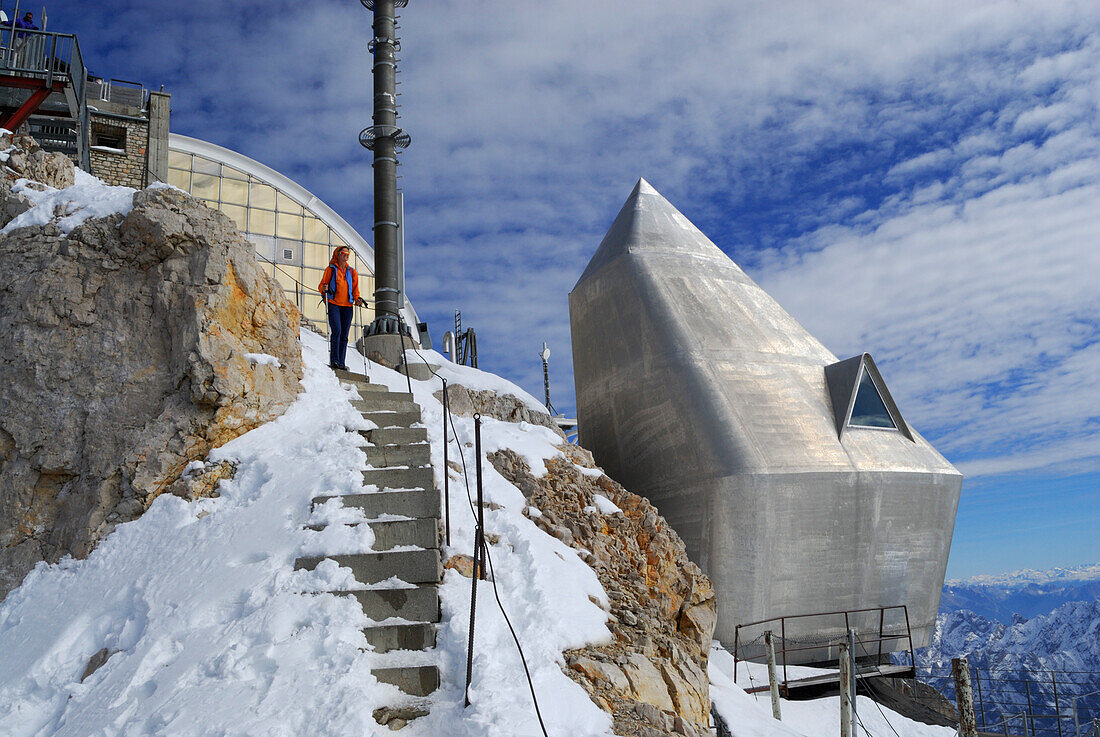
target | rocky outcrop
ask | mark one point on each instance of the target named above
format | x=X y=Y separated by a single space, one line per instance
x=129 y=348
x=23 y=158
x=652 y=678
x=464 y=402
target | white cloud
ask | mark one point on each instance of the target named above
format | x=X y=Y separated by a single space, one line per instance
x=915 y=179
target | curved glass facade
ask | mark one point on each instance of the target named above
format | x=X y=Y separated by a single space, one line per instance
x=294 y=232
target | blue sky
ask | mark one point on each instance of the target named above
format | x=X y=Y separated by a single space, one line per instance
x=917 y=180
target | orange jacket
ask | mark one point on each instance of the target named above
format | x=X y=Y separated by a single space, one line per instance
x=340 y=296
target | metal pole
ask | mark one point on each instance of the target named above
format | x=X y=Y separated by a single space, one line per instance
x=479 y=541
x=446 y=468
x=1027 y=690
x=769 y=648
x=477 y=560
x=546 y=373
x=783 y=642
x=384 y=138
x=845 y=691
x=981 y=701
x=852 y=675
x=964 y=698
x=1057 y=711
x=737 y=651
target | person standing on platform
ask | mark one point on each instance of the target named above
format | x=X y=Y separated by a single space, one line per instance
x=340 y=289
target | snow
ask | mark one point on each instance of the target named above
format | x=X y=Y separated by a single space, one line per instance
x=1029 y=576
x=750 y=715
x=88 y=197
x=262 y=359
x=211 y=631
x=471 y=378
x=605 y=505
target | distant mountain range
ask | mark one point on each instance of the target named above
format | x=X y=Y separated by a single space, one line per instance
x=1026 y=593
x=1025 y=635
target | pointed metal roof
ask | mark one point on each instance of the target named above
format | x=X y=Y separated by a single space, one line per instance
x=649 y=222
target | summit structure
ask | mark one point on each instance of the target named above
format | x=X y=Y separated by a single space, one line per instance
x=792 y=477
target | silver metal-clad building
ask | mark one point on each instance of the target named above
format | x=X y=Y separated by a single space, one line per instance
x=792 y=477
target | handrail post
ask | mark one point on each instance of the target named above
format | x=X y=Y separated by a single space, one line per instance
x=737 y=649
x=1057 y=711
x=981 y=701
x=447 y=474
x=881 y=625
x=783 y=635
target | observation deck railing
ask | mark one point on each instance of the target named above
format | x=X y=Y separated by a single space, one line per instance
x=49 y=57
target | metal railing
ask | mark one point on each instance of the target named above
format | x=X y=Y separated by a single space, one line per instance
x=50 y=56
x=1058 y=707
x=872 y=645
x=120 y=92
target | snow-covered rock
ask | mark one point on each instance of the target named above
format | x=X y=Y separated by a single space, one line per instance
x=130 y=330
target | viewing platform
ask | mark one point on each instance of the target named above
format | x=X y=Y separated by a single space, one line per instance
x=43 y=83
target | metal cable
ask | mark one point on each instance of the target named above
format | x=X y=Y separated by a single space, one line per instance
x=488 y=556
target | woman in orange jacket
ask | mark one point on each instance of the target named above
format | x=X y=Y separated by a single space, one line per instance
x=340 y=289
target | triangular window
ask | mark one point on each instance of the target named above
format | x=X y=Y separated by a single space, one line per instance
x=869 y=410
x=859 y=397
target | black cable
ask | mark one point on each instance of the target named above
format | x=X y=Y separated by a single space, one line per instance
x=488 y=554
x=871 y=695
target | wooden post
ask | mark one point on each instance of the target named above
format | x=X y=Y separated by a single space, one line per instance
x=845 y=692
x=964 y=698
x=769 y=647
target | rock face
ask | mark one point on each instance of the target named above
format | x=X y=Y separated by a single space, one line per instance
x=122 y=359
x=464 y=402
x=652 y=679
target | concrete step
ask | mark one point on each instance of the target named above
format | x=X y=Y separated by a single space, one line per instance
x=411 y=566
x=419 y=454
x=367 y=389
x=390 y=401
x=351 y=376
x=396 y=435
x=420 y=604
x=400 y=478
x=410 y=503
x=423 y=533
x=393 y=419
x=415 y=680
x=387 y=637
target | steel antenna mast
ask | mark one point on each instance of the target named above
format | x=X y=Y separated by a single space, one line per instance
x=384 y=139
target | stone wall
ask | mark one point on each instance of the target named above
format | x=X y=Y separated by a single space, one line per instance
x=127 y=169
x=653 y=678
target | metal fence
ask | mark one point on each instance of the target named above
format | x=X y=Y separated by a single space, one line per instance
x=1061 y=703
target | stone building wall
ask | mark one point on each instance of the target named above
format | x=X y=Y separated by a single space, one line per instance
x=126 y=168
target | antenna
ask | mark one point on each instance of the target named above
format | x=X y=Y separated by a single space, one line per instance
x=384 y=139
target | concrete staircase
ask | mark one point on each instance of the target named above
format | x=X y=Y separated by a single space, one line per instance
x=405 y=518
